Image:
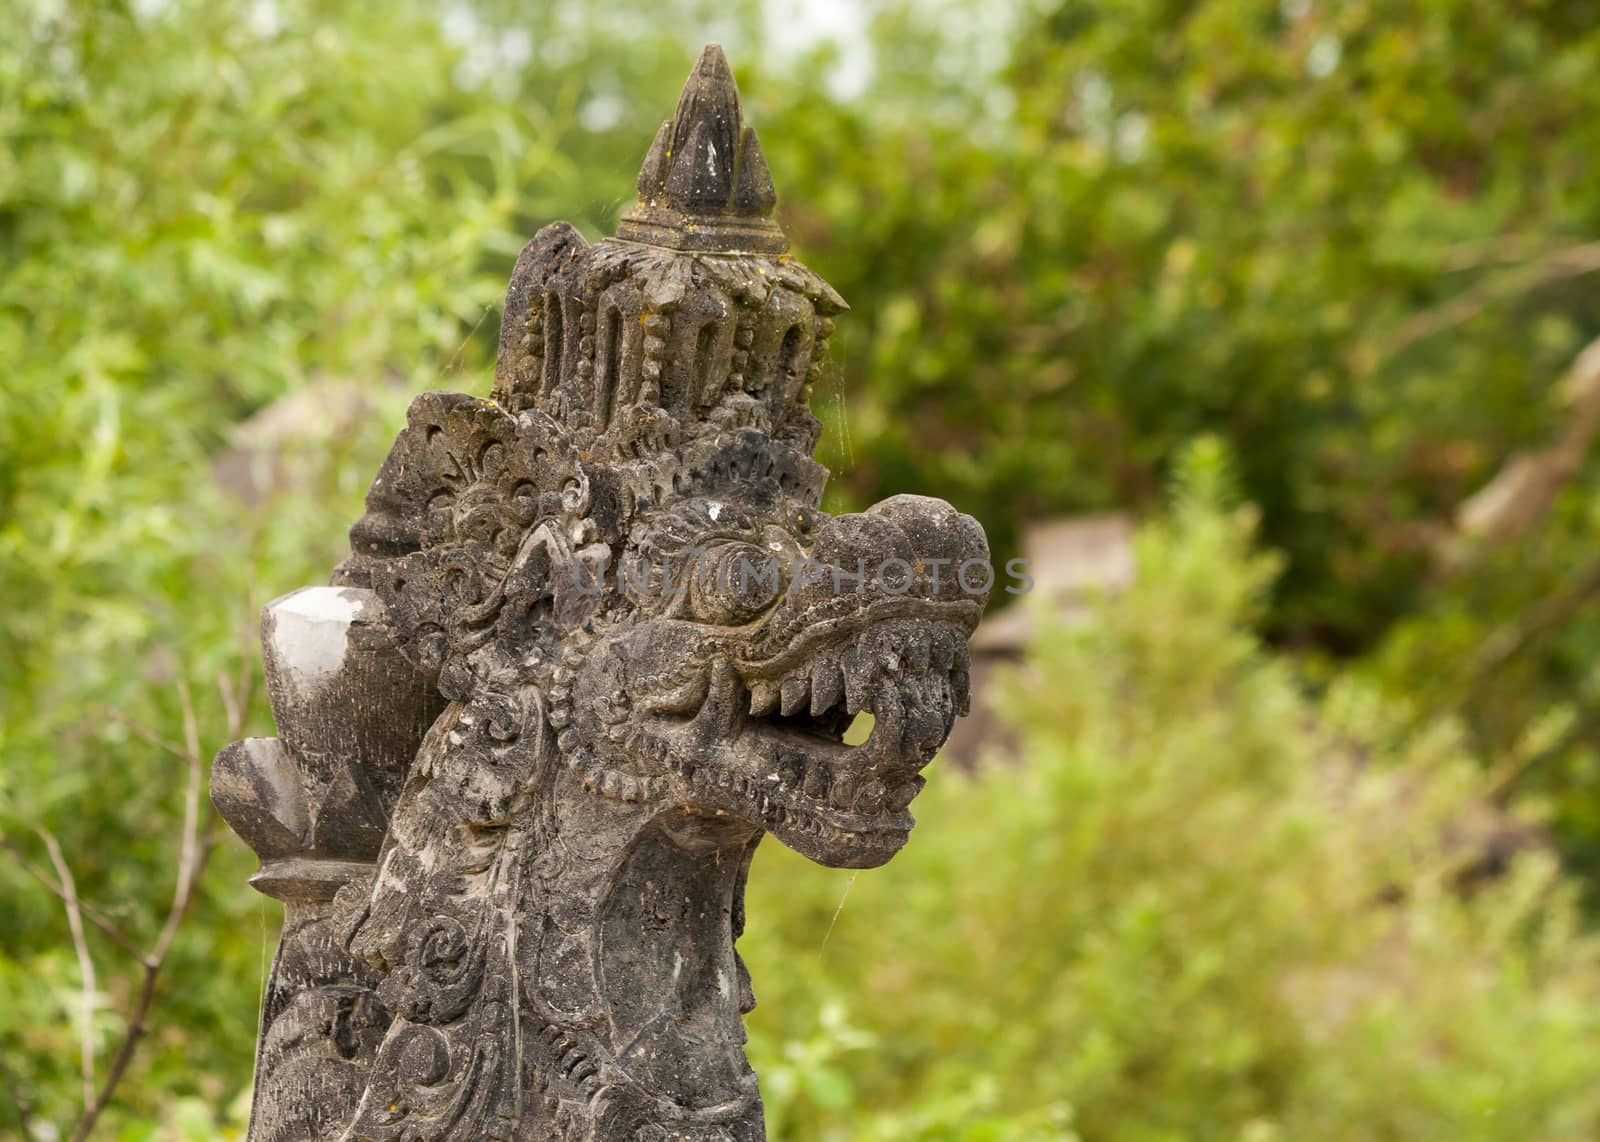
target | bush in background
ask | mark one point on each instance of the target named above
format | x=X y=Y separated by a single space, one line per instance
x=1197 y=905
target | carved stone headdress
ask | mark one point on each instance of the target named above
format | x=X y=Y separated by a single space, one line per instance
x=692 y=315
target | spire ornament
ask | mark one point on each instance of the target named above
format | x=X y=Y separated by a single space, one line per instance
x=705 y=184
x=594 y=641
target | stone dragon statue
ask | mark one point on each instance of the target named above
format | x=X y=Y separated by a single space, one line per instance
x=594 y=640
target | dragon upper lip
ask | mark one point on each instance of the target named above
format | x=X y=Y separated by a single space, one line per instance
x=818 y=627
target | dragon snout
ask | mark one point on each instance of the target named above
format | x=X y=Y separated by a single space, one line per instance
x=907 y=548
x=949 y=550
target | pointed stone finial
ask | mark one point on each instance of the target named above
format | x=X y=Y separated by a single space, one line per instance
x=705 y=185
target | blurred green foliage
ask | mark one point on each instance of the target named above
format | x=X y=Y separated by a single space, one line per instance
x=1336 y=236
x=1204 y=907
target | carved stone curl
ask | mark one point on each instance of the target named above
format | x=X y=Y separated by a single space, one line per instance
x=595 y=639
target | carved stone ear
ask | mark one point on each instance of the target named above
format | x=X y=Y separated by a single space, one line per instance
x=470 y=524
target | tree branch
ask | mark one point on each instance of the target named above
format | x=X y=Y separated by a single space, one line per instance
x=1574 y=261
x=1509 y=640
x=80 y=944
x=197 y=841
x=1529 y=482
x=1476 y=253
x=92 y=914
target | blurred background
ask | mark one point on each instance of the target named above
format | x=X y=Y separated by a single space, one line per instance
x=1267 y=328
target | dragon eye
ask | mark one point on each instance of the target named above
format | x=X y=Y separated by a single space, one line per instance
x=735 y=582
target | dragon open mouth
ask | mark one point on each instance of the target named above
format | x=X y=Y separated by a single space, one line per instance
x=781 y=760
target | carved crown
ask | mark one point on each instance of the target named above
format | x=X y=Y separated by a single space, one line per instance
x=692 y=316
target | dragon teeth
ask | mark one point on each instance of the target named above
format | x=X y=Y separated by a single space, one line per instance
x=763 y=698
x=796 y=694
x=901 y=795
x=857 y=681
x=827 y=687
x=870 y=798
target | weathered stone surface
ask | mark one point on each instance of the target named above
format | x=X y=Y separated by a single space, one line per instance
x=594 y=640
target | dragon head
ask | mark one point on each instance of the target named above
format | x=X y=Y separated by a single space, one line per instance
x=758 y=633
